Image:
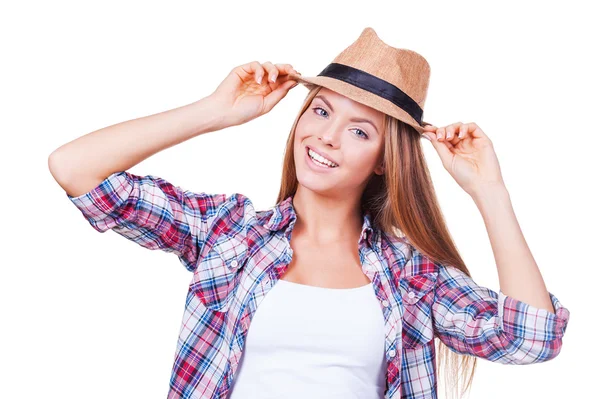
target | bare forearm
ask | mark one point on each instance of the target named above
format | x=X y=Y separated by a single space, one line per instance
x=80 y=165
x=518 y=272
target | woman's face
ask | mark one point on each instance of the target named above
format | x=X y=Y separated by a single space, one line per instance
x=338 y=128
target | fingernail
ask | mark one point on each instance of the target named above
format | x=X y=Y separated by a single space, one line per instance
x=258 y=79
x=426 y=136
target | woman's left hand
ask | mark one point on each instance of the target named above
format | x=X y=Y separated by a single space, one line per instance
x=467 y=154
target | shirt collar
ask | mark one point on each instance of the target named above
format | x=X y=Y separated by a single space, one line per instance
x=283 y=216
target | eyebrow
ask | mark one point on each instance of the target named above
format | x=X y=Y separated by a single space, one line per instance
x=320 y=96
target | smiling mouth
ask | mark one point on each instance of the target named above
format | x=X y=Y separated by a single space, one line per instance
x=317 y=159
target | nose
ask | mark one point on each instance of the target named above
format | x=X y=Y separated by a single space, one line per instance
x=331 y=135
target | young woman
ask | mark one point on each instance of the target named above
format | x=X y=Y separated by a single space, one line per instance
x=339 y=289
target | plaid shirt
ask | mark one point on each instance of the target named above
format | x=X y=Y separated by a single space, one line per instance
x=236 y=255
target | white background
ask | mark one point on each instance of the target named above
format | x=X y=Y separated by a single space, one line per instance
x=90 y=315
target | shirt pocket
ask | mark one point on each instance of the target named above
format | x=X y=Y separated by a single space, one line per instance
x=418 y=293
x=217 y=274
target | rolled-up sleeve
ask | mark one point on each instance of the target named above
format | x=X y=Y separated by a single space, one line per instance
x=153 y=213
x=475 y=320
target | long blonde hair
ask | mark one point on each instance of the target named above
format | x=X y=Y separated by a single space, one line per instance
x=403 y=203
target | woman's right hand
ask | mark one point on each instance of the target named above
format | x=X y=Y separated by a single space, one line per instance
x=242 y=98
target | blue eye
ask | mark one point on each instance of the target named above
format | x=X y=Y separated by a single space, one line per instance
x=364 y=135
x=315 y=108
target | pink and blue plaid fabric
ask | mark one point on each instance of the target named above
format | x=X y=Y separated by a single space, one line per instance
x=237 y=254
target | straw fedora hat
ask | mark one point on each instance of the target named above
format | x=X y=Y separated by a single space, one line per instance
x=388 y=79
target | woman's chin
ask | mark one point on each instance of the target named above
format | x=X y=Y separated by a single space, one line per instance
x=315 y=183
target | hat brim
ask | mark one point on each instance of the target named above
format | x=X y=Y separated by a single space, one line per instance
x=359 y=95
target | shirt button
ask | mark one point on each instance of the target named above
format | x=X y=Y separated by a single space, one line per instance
x=411 y=294
x=385 y=303
x=365 y=234
x=392 y=353
x=234 y=263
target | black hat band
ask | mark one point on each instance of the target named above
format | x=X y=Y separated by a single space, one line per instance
x=375 y=85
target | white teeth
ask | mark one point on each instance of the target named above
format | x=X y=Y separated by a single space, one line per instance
x=320 y=159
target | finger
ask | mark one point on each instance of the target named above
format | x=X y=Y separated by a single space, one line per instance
x=443 y=148
x=450 y=131
x=464 y=129
x=286 y=69
x=476 y=131
x=441 y=138
x=285 y=73
x=276 y=95
x=448 y=145
x=249 y=69
x=272 y=71
x=440 y=133
x=459 y=134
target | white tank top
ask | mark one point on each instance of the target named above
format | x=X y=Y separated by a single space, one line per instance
x=314 y=342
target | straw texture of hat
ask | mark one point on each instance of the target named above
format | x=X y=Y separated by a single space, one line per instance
x=371 y=72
